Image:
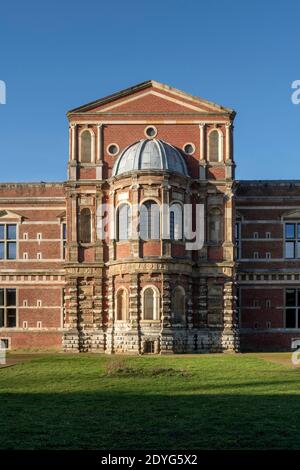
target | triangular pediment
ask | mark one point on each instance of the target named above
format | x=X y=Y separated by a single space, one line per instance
x=11 y=215
x=152 y=98
x=292 y=215
x=62 y=216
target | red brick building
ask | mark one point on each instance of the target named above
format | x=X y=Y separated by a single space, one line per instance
x=106 y=261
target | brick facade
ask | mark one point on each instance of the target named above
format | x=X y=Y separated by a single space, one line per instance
x=77 y=286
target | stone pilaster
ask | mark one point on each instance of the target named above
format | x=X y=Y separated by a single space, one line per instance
x=167 y=340
x=71 y=337
x=133 y=335
x=230 y=335
x=111 y=315
x=202 y=302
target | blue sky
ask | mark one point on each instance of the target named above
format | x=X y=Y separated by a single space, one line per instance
x=57 y=55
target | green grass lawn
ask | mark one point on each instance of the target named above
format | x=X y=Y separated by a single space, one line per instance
x=179 y=402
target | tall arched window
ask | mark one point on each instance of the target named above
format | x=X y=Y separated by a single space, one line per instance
x=214 y=146
x=150 y=221
x=215 y=226
x=86 y=147
x=150 y=304
x=124 y=222
x=122 y=305
x=85 y=226
x=178 y=305
x=176 y=222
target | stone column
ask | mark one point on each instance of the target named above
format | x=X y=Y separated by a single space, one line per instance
x=99 y=152
x=228 y=245
x=165 y=220
x=202 y=161
x=73 y=245
x=167 y=339
x=73 y=152
x=135 y=239
x=99 y=228
x=230 y=335
x=229 y=158
x=112 y=226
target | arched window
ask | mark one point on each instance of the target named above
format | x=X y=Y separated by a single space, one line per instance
x=176 y=222
x=85 y=226
x=215 y=226
x=150 y=304
x=86 y=147
x=178 y=305
x=124 y=222
x=150 y=221
x=214 y=146
x=122 y=305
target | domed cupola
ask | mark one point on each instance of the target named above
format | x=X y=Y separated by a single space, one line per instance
x=149 y=154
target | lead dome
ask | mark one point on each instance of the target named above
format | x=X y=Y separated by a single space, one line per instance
x=150 y=154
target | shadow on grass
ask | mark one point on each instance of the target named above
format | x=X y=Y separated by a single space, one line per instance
x=126 y=421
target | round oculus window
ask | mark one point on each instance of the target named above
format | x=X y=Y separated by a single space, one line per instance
x=151 y=132
x=189 y=148
x=113 y=149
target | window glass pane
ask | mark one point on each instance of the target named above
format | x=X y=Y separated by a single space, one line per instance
x=144 y=222
x=1 y=297
x=289 y=230
x=298 y=292
x=290 y=250
x=124 y=222
x=2 y=317
x=64 y=231
x=172 y=225
x=85 y=226
x=148 y=304
x=214 y=146
x=298 y=229
x=86 y=147
x=290 y=297
x=11 y=297
x=2 y=232
x=11 y=250
x=237 y=231
x=290 y=320
x=176 y=222
x=1 y=250
x=12 y=232
x=155 y=229
x=11 y=317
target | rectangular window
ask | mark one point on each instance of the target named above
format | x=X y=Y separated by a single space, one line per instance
x=255 y=234
x=292 y=308
x=8 y=308
x=292 y=240
x=64 y=240
x=238 y=253
x=8 y=241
